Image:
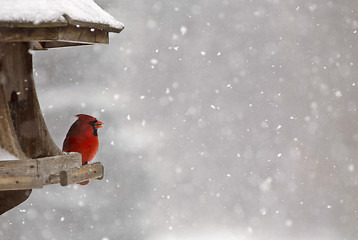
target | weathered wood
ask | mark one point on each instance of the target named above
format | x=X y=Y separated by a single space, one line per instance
x=34 y=173
x=8 y=138
x=86 y=172
x=69 y=21
x=24 y=175
x=28 y=34
x=53 y=179
x=20 y=94
x=82 y=35
x=21 y=183
x=57 y=44
x=16 y=168
x=54 y=165
x=69 y=34
x=22 y=129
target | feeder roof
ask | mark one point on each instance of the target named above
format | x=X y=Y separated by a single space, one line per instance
x=55 y=13
x=55 y=23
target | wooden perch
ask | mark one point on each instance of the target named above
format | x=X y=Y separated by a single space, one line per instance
x=86 y=172
x=35 y=173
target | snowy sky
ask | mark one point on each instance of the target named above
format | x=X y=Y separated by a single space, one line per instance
x=222 y=120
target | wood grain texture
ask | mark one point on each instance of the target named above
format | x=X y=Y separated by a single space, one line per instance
x=69 y=22
x=15 y=168
x=26 y=115
x=85 y=172
x=20 y=183
x=8 y=137
x=35 y=173
x=54 y=165
x=22 y=129
x=48 y=36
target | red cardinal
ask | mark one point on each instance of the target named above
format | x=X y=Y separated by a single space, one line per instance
x=83 y=138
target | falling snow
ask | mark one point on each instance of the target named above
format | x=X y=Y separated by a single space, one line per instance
x=222 y=120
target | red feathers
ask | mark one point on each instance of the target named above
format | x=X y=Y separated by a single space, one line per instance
x=82 y=137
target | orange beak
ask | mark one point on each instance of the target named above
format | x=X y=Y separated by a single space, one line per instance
x=98 y=124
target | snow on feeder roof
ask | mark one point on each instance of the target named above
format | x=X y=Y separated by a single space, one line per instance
x=55 y=23
x=56 y=12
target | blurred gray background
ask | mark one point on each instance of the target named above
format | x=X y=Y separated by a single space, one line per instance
x=223 y=120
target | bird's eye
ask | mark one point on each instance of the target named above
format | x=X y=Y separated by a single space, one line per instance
x=92 y=123
x=96 y=124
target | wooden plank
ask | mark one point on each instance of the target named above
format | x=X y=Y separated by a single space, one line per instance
x=70 y=34
x=58 y=44
x=53 y=179
x=30 y=177
x=54 y=165
x=88 y=34
x=101 y=37
x=24 y=182
x=43 y=167
x=83 y=35
x=15 y=168
x=28 y=34
x=86 y=172
x=34 y=173
x=69 y=21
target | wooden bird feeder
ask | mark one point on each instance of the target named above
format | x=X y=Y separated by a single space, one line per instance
x=39 y=25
